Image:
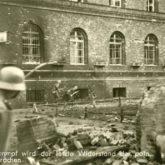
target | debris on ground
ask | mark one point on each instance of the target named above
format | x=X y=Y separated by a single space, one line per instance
x=90 y=139
x=87 y=138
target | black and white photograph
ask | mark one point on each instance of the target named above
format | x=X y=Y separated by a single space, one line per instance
x=82 y=82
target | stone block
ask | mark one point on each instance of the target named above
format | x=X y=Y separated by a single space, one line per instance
x=33 y=131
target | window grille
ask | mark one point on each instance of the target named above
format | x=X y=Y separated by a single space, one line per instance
x=119 y=92
x=35 y=95
x=31 y=39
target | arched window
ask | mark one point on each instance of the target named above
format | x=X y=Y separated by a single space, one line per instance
x=78 y=47
x=32 y=39
x=151 y=50
x=117 y=48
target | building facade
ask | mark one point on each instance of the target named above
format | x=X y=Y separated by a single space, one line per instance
x=115 y=47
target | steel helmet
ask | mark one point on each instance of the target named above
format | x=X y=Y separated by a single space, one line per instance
x=12 y=78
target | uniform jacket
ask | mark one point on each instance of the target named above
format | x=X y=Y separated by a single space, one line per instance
x=5 y=124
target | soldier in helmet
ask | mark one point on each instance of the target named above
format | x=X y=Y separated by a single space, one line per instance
x=11 y=83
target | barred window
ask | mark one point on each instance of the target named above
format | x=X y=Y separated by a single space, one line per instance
x=117 y=48
x=151 y=50
x=78 y=47
x=82 y=93
x=35 y=95
x=119 y=92
x=32 y=48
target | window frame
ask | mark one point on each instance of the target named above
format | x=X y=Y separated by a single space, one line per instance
x=117 y=39
x=32 y=95
x=113 y=3
x=151 y=50
x=152 y=6
x=32 y=44
x=120 y=93
x=78 y=47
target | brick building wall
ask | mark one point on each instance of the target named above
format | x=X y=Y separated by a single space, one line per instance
x=131 y=4
x=58 y=19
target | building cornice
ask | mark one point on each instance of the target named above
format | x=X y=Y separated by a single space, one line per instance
x=92 y=10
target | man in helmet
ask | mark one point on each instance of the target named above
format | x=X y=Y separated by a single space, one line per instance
x=11 y=84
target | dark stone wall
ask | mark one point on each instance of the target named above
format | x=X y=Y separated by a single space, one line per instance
x=57 y=27
x=57 y=24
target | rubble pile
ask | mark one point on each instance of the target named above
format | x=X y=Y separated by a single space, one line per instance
x=101 y=137
x=42 y=135
x=117 y=141
x=31 y=132
x=128 y=158
x=88 y=139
